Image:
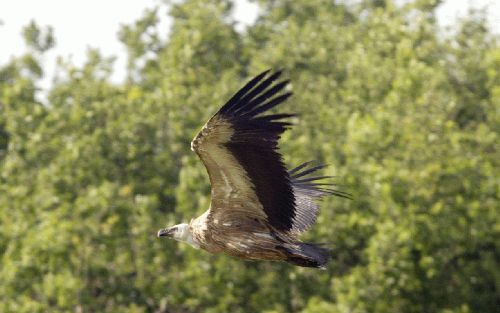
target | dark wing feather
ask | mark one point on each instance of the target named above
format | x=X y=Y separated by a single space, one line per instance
x=240 y=131
x=307 y=190
x=255 y=144
x=239 y=147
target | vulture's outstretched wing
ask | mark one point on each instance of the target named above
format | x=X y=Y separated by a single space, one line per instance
x=239 y=147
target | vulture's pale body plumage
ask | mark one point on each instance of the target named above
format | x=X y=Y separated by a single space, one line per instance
x=258 y=208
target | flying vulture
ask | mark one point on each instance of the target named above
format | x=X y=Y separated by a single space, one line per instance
x=258 y=207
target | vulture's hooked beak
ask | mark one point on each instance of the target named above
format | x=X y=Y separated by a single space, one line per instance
x=165 y=232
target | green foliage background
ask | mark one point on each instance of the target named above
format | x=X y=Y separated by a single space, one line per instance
x=407 y=114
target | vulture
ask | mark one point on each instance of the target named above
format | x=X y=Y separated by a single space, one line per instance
x=258 y=207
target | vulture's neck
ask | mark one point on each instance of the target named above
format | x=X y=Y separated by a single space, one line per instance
x=184 y=235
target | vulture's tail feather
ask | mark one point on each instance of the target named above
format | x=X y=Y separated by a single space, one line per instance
x=307 y=255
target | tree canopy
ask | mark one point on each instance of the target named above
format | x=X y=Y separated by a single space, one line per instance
x=406 y=113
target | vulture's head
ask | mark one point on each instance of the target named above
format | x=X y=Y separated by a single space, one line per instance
x=179 y=232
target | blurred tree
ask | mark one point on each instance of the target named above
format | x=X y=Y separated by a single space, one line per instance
x=408 y=116
x=37 y=39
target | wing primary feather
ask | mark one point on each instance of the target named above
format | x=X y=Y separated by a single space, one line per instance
x=336 y=193
x=310 y=170
x=240 y=93
x=266 y=95
x=298 y=168
x=309 y=184
x=305 y=180
x=246 y=102
x=318 y=184
x=269 y=105
x=273 y=117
